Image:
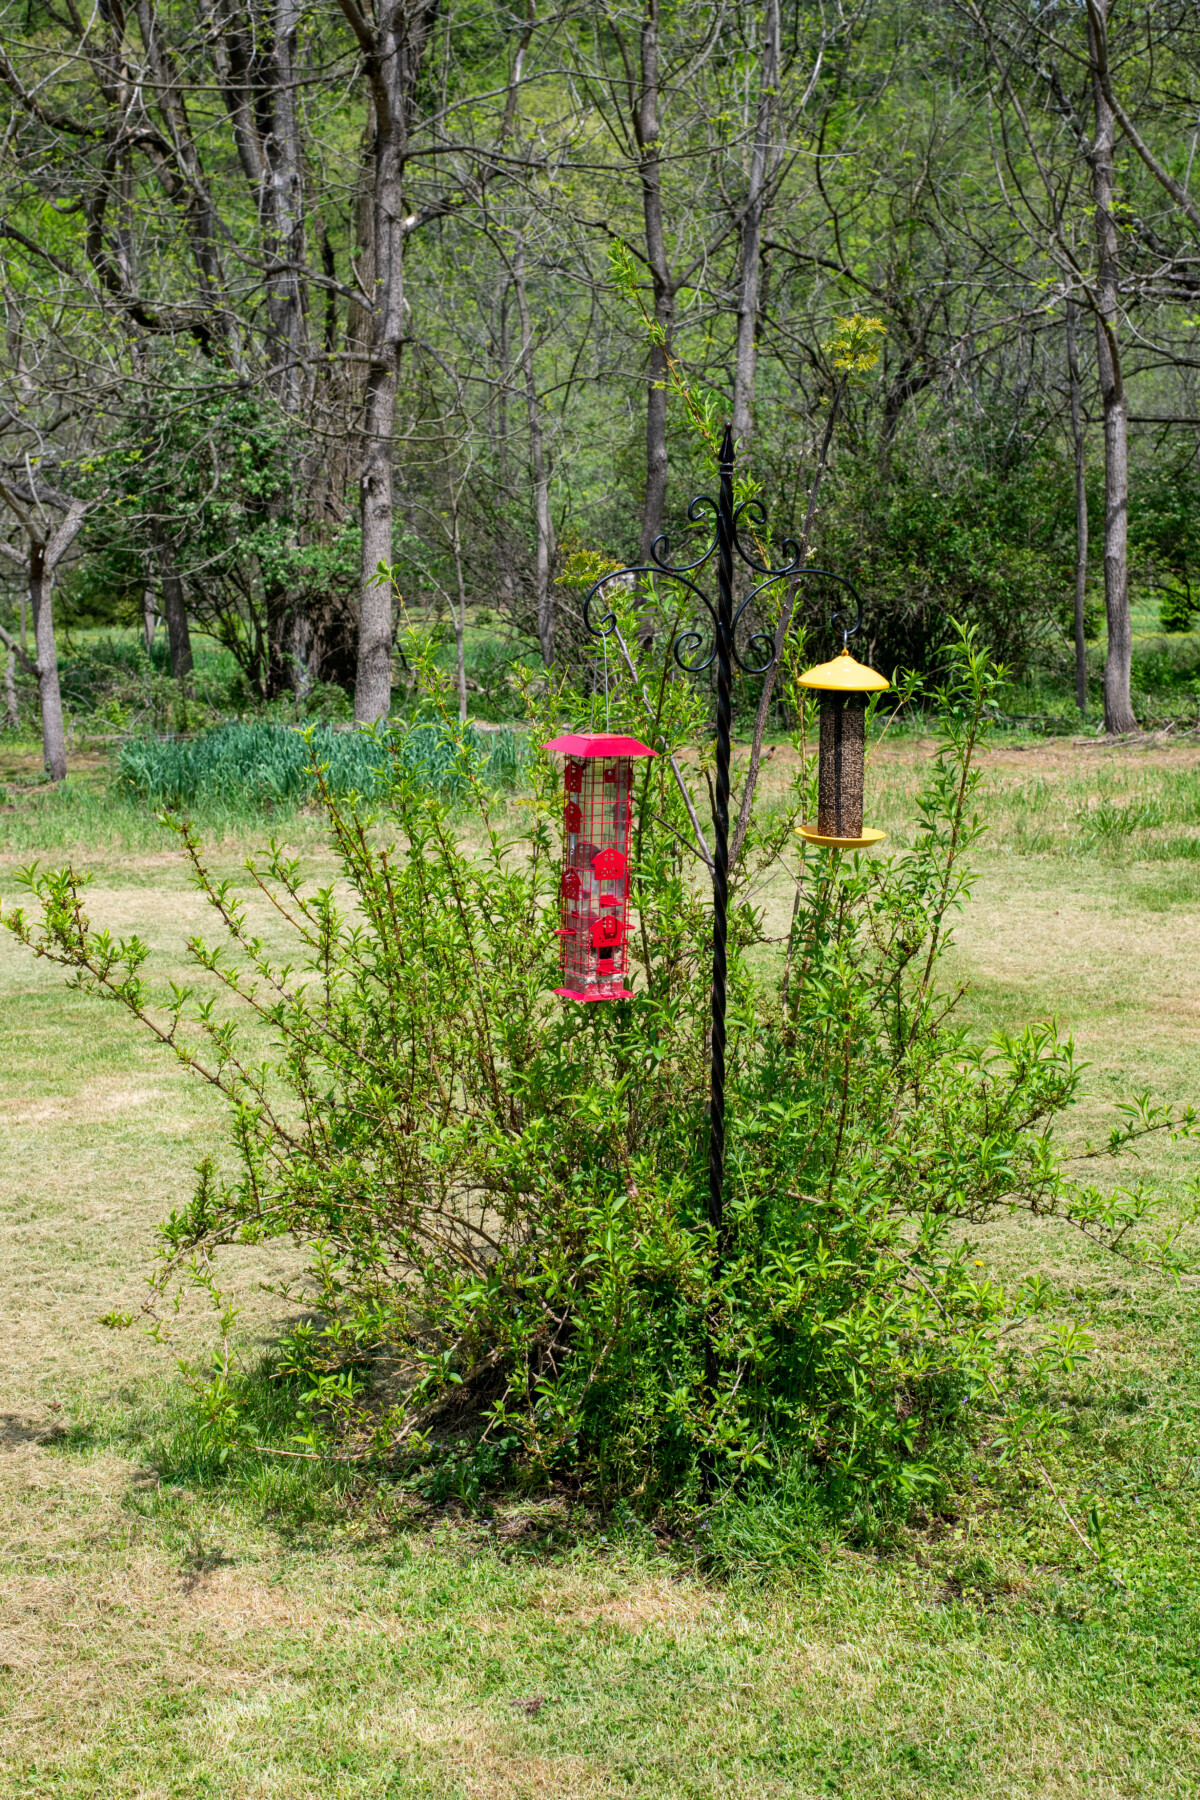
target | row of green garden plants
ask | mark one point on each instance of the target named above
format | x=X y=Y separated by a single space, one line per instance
x=503 y=1198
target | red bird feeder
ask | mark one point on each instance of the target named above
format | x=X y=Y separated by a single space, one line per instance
x=594 y=895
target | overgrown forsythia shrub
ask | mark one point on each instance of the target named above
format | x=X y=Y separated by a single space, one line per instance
x=502 y=1199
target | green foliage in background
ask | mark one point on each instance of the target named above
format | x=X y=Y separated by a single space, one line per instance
x=121 y=683
x=213 y=483
x=980 y=531
x=1164 y=535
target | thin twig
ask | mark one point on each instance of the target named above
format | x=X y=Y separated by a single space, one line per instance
x=680 y=782
x=311 y=1455
x=30 y=668
x=701 y=846
x=659 y=820
x=1085 y=1541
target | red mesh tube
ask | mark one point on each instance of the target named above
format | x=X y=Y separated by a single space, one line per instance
x=595 y=878
x=594 y=890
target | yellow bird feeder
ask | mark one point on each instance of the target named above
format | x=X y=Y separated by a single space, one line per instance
x=843 y=685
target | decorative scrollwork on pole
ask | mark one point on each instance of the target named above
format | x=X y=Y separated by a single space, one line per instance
x=686 y=643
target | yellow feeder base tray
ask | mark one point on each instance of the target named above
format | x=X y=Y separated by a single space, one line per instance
x=840 y=843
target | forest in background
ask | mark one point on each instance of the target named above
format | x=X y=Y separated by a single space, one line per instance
x=300 y=290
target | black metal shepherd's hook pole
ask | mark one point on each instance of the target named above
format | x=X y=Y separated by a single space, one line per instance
x=726 y=544
x=720 y=922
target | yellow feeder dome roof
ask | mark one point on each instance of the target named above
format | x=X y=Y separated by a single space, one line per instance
x=846 y=676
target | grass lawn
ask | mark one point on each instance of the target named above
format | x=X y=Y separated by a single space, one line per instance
x=288 y=1635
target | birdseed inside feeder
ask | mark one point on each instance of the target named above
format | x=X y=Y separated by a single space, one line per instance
x=594 y=891
x=843 y=685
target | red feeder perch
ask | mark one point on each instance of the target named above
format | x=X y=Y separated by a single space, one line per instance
x=594 y=896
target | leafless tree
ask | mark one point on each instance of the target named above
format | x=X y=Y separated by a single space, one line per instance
x=1079 y=447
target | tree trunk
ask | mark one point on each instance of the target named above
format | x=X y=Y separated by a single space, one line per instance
x=395 y=48
x=498 y=412
x=282 y=613
x=179 y=637
x=284 y=197
x=149 y=615
x=302 y=642
x=257 y=77
x=1081 y=514
x=283 y=208
x=12 y=716
x=746 y=354
x=41 y=582
x=460 y=616
x=537 y=457
x=373 y=682
x=1118 y=667
x=646 y=131
x=203 y=224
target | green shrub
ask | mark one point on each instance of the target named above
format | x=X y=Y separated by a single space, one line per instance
x=972 y=526
x=119 y=682
x=1160 y=666
x=503 y=1201
x=491 y=664
x=1164 y=535
x=1176 y=610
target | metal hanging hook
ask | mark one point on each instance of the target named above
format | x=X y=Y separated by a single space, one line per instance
x=837 y=617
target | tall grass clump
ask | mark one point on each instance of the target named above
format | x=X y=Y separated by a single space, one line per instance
x=264 y=765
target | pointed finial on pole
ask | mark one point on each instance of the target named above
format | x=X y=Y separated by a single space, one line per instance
x=727 y=446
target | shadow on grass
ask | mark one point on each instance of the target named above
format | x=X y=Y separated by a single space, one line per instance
x=1124 y=1456
x=465 y=1495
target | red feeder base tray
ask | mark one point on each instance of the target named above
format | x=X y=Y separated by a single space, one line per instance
x=609 y=993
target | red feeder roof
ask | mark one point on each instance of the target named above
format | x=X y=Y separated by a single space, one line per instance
x=598 y=743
